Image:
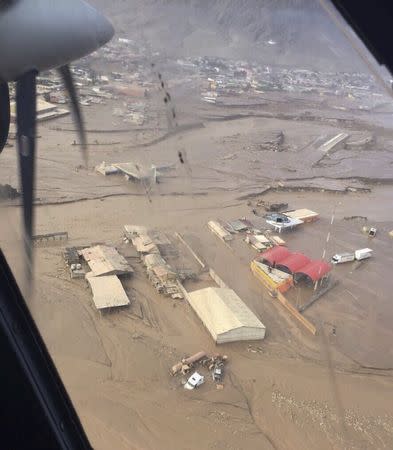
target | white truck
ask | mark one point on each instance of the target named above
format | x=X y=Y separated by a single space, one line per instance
x=339 y=258
x=363 y=253
x=358 y=255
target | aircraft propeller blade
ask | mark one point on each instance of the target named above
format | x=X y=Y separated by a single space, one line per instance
x=4 y=114
x=26 y=135
x=70 y=88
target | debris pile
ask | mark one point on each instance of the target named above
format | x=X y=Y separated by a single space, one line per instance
x=273 y=143
x=152 y=246
x=214 y=364
x=7 y=192
x=256 y=233
x=272 y=207
x=73 y=260
x=131 y=171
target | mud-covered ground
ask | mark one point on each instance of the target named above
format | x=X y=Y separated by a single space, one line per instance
x=278 y=393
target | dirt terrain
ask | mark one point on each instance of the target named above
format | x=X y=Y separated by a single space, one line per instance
x=290 y=391
x=116 y=366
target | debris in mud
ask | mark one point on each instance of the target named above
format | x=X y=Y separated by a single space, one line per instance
x=62 y=235
x=231 y=156
x=330 y=146
x=214 y=364
x=218 y=372
x=7 y=192
x=153 y=246
x=272 y=207
x=370 y=231
x=251 y=349
x=71 y=255
x=273 y=143
x=363 y=141
x=189 y=362
x=355 y=218
x=106 y=169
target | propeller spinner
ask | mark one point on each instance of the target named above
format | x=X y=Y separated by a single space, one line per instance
x=37 y=36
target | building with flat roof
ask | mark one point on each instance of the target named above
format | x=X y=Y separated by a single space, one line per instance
x=104 y=260
x=305 y=215
x=108 y=292
x=225 y=315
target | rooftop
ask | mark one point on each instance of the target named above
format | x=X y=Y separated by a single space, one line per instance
x=104 y=260
x=222 y=310
x=108 y=291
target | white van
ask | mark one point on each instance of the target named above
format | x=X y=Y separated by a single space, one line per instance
x=342 y=258
x=363 y=253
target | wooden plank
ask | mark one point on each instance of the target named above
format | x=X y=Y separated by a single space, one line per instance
x=217 y=279
x=63 y=235
x=305 y=322
x=181 y=239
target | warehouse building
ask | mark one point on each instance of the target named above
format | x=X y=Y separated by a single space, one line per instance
x=225 y=315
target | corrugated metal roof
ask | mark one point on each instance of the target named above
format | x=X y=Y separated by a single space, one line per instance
x=293 y=262
x=238 y=225
x=275 y=254
x=104 y=260
x=107 y=291
x=222 y=311
x=315 y=270
x=296 y=263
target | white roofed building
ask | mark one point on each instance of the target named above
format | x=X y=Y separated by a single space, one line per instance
x=225 y=315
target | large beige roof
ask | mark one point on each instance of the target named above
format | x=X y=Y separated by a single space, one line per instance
x=225 y=315
x=301 y=214
x=104 y=260
x=107 y=291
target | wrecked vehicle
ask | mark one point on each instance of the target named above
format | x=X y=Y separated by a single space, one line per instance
x=218 y=373
x=194 y=381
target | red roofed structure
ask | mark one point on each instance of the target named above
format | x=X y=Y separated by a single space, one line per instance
x=296 y=264
x=313 y=271
x=274 y=255
x=293 y=263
